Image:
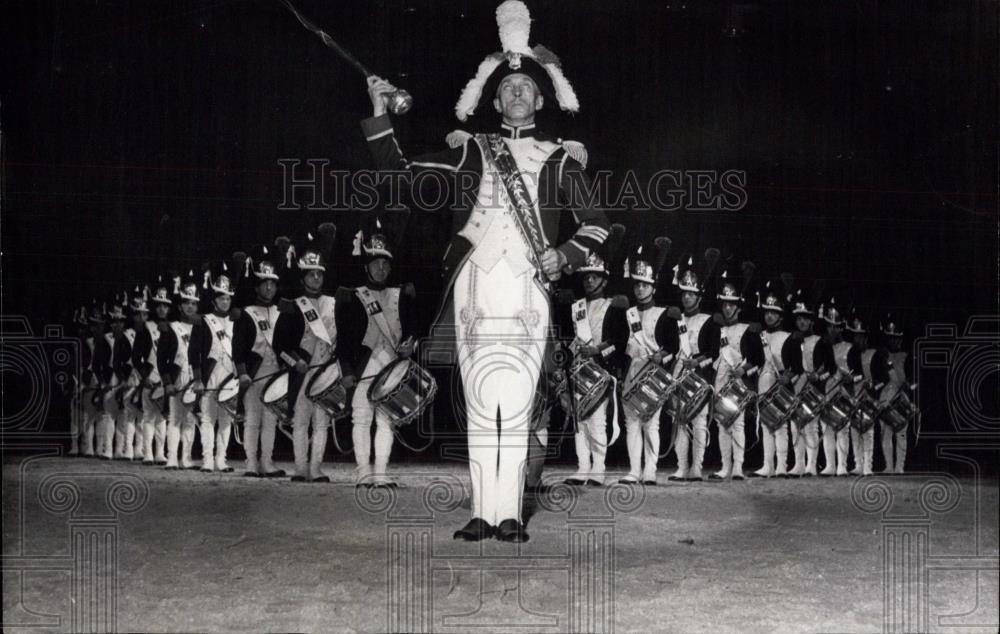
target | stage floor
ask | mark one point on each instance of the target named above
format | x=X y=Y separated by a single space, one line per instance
x=97 y=544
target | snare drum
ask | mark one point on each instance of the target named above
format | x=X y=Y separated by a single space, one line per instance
x=274 y=396
x=732 y=399
x=866 y=414
x=807 y=406
x=839 y=410
x=648 y=390
x=326 y=390
x=590 y=384
x=229 y=396
x=691 y=392
x=402 y=391
x=776 y=405
x=899 y=413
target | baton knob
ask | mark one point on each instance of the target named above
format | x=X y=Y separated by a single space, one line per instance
x=399 y=101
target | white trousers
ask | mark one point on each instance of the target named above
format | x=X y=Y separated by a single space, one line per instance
x=836 y=445
x=309 y=459
x=591 y=442
x=642 y=438
x=863 y=447
x=154 y=430
x=894 y=466
x=361 y=418
x=90 y=416
x=694 y=440
x=259 y=427
x=502 y=324
x=180 y=431
x=216 y=424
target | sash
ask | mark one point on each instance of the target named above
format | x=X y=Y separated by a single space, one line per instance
x=219 y=332
x=581 y=322
x=635 y=326
x=130 y=335
x=311 y=315
x=374 y=310
x=685 y=341
x=499 y=158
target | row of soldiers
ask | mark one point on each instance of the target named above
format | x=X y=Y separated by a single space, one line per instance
x=150 y=385
x=719 y=366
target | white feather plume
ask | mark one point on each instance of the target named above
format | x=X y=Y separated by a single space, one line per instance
x=514 y=23
x=473 y=90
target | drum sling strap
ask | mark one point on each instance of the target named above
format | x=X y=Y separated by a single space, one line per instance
x=499 y=159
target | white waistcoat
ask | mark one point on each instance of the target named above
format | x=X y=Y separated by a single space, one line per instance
x=320 y=351
x=492 y=227
x=183 y=331
x=264 y=318
x=221 y=331
x=154 y=335
x=635 y=348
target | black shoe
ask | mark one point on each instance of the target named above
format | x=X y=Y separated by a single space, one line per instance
x=321 y=479
x=594 y=483
x=738 y=476
x=383 y=485
x=170 y=468
x=226 y=470
x=298 y=478
x=511 y=531
x=274 y=474
x=754 y=474
x=148 y=463
x=649 y=483
x=674 y=478
x=161 y=462
x=574 y=482
x=251 y=474
x=477 y=529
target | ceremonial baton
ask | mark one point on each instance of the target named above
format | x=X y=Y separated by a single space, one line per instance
x=399 y=101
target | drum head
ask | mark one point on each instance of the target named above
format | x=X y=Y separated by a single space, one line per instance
x=390 y=378
x=229 y=389
x=324 y=378
x=157 y=393
x=276 y=388
x=189 y=397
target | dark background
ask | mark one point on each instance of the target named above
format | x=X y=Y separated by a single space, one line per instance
x=141 y=136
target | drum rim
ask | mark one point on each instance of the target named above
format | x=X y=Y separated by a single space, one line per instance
x=319 y=372
x=270 y=381
x=380 y=378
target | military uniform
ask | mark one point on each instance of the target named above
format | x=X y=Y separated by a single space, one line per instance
x=307 y=332
x=739 y=347
x=816 y=365
x=598 y=322
x=376 y=320
x=780 y=353
x=836 y=444
x=255 y=358
x=210 y=355
x=900 y=373
x=172 y=361
x=153 y=421
x=864 y=360
x=699 y=342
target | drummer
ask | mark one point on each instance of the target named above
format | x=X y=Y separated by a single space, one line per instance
x=741 y=355
x=653 y=337
x=779 y=351
x=601 y=335
x=863 y=360
x=377 y=327
x=138 y=310
x=175 y=370
x=114 y=430
x=154 y=425
x=816 y=367
x=836 y=443
x=305 y=339
x=254 y=357
x=699 y=346
x=900 y=371
x=211 y=357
